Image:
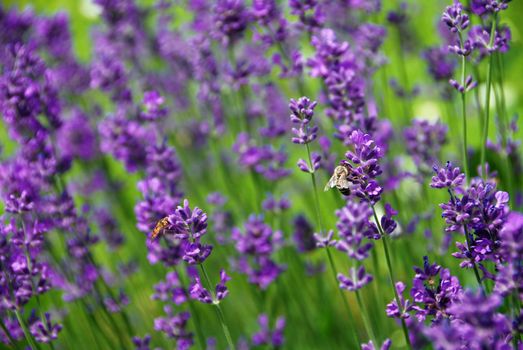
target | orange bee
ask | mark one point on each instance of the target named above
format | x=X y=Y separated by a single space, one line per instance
x=160 y=227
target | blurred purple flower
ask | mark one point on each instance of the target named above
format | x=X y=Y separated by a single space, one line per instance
x=269 y=337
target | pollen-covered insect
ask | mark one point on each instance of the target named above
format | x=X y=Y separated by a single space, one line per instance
x=160 y=227
x=339 y=180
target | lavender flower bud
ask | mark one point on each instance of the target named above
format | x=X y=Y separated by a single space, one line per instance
x=455 y=18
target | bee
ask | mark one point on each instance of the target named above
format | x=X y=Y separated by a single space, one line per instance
x=339 y=180
x=160 y=227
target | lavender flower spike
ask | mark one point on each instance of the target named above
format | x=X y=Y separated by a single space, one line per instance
x=302 y=113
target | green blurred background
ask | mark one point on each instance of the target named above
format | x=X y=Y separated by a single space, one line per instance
x=314 y=320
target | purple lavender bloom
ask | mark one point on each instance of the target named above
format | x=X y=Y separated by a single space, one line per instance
x=302 y=113
x=116 y=303
x=126 y=140
x=478 y=325
x=303 y=234
x=76 y=138
x=329 y=53
x=309 y=13
x=271 y=204
x=265 y=160
x=198 y=292
x=44 y=331
x=357 y=279
x=265 y=11
x=170 y=290
x=157 y=203
x=399 y=311
x=142 y=343
x=109 y=75
x=387 y=223
x=221 y=289
x=441 y=65
x=447 y=177
x=269 y=337
x=510 y=276
x=189 y=225
x=109 y=229
x=469 y=84
x=434 y=290
x=455 y=18
x=424 y=141
x=480 y=211
x=311 y=169
x=175 y=326
x=482 y=7
x=256 y=244
x=480 y=40
x=370 y=345
x=324 y=241
x=26 y=92
x=355 y=230
x=153 y=106
x=230 y=20
x=363 y=166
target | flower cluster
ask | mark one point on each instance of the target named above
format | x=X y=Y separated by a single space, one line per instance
x=256 y=244
x=479 y=211
x=363 y=164
x=424 y=141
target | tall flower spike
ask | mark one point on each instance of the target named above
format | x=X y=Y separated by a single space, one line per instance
x=402 y=310
x=363 y=165
x=447 y=177
x=455 y=18
x=302 y=113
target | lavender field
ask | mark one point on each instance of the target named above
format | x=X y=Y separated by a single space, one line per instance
x=261 y=174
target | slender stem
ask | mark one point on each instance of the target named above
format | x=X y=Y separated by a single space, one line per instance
x=464 y=114
x=487 y=100
x=224 y=327
x=475 y=267
x=195 y=318
x=476 y=97
x=315 y=188
x=365 y=317
x=8 y=334
x=391 y=274
x=345 y=303
x=516 y=309
x=32 y=344
x=219 y=311
x=329 y=256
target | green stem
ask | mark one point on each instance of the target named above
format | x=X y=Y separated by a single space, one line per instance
x=391 y=274
x=365 y=317
x=487 y=101
x=195 y=318
x=345 y=302
x=315 y=189
x=94 y=323
x=8 y=334
x=32 y=344
x=475 y=267
x=477 y=99
x=219 y=311
x=329 y=256
x=464 y=114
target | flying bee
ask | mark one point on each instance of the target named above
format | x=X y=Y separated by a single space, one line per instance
x=339 y=180
x=160 y=227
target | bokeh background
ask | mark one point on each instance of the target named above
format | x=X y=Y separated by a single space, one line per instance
x=310 y=304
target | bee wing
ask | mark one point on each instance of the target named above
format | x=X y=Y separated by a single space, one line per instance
x=343 y=183
x=331 y=183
